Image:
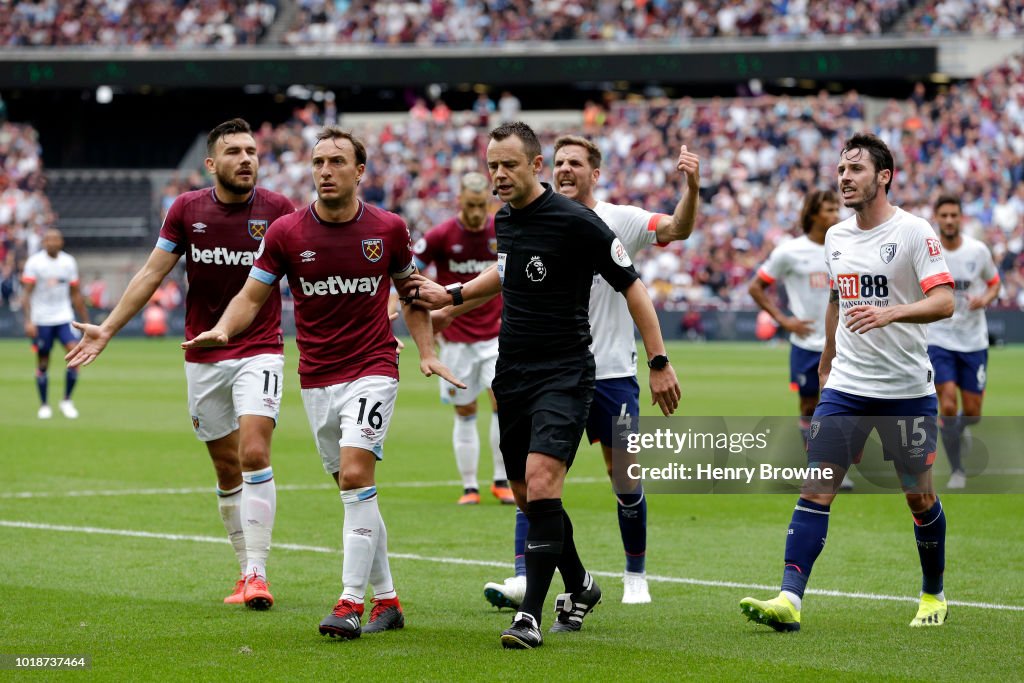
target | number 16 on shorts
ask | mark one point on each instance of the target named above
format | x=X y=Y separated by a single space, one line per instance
x=353 y=414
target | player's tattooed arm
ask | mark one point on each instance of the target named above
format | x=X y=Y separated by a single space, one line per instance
x=833 y=296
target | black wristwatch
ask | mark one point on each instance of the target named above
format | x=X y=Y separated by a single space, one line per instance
x=456 y=291
x=658 y=362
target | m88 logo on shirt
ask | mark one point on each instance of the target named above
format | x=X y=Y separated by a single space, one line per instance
x=866 y=286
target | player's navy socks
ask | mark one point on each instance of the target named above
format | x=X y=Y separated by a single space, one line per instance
x=70 y=377
x=632 y=509
x=807 y=532
x=41 y=384
x=930 y=531
x=951 y=430
x=519 y=544
x=570 y=566
x=543 y=550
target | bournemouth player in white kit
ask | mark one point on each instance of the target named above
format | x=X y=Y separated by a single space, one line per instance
x=50 y=288
x=577 y=168
x=338 y=254
x=889 y=279
x=461 y=248
x=958 y=346
x=234 y=392
x=799 y=266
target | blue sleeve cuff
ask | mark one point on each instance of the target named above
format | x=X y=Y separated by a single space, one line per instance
x=420 y=265
x=166 y=244
x=262 y=275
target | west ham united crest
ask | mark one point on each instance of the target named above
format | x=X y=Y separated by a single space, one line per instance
x=373 y=249
x=257 y=228
x=888 y=251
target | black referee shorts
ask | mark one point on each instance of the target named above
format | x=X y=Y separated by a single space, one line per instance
x=542 y=408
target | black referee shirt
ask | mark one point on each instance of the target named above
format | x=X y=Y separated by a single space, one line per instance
x=548 y=253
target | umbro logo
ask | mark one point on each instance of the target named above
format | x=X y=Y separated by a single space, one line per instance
x=836 y=254
x=308 y=256
x=199 y=227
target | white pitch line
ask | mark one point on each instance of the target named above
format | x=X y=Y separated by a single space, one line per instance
x=131 y=533
x=7 y=495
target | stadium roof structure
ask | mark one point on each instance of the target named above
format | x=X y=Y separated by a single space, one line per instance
x=513 y=63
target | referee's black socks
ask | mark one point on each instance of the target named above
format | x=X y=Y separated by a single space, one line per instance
x=544 y=545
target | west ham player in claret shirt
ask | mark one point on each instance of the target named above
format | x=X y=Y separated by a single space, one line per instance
x=888 y=280
x=338 y=254
x=461 y=248
x=234 y=392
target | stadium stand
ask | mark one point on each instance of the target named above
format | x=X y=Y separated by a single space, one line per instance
x=102 y=208
x=25 y=210
x=180 y=24
x=185 y=24
x=761 y=154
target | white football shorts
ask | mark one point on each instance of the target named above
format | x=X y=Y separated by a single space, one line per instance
x=218 y=393
x=473 y=363
x=355 y=413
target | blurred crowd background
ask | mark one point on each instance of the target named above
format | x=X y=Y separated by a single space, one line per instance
x=229 y=23
x=760 y=152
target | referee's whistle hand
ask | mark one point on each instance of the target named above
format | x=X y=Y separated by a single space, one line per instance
x=665 y=391
x=425 y=293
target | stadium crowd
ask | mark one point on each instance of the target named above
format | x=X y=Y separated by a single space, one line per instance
x=225 y=23
x=180 y=24
x=24 y=208
x=761 y=155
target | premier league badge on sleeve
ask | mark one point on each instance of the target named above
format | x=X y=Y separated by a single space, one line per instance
x=257 y=228
x=373 y=249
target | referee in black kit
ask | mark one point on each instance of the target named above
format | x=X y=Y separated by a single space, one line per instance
x=549 y=248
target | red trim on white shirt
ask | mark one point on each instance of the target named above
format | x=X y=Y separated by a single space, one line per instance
x=652 y=226
x=934 y=281
x=765 y=276
x=995 y=279
x=27 y=279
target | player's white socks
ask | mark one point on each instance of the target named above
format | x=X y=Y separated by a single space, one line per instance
x=467 y=449
x=361 y=535
x=499 y=460
x=229 y=504
x=380 y=571
x=259 y=504
x=793 y=598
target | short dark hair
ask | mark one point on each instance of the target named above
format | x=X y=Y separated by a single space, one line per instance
x=531 y=145
x=879 y=152
x=812 y=205
x=335 y=133
x=593 y=152
x=235 y=125
x=947 y=199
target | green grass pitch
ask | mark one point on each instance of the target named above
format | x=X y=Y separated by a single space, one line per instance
x=112 y=547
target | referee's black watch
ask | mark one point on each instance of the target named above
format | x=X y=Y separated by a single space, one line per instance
x=456 y=291
x=658 y=362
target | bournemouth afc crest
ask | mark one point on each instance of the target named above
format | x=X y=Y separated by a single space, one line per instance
x=888 y=251
x=257 y=228
x=373 y=249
